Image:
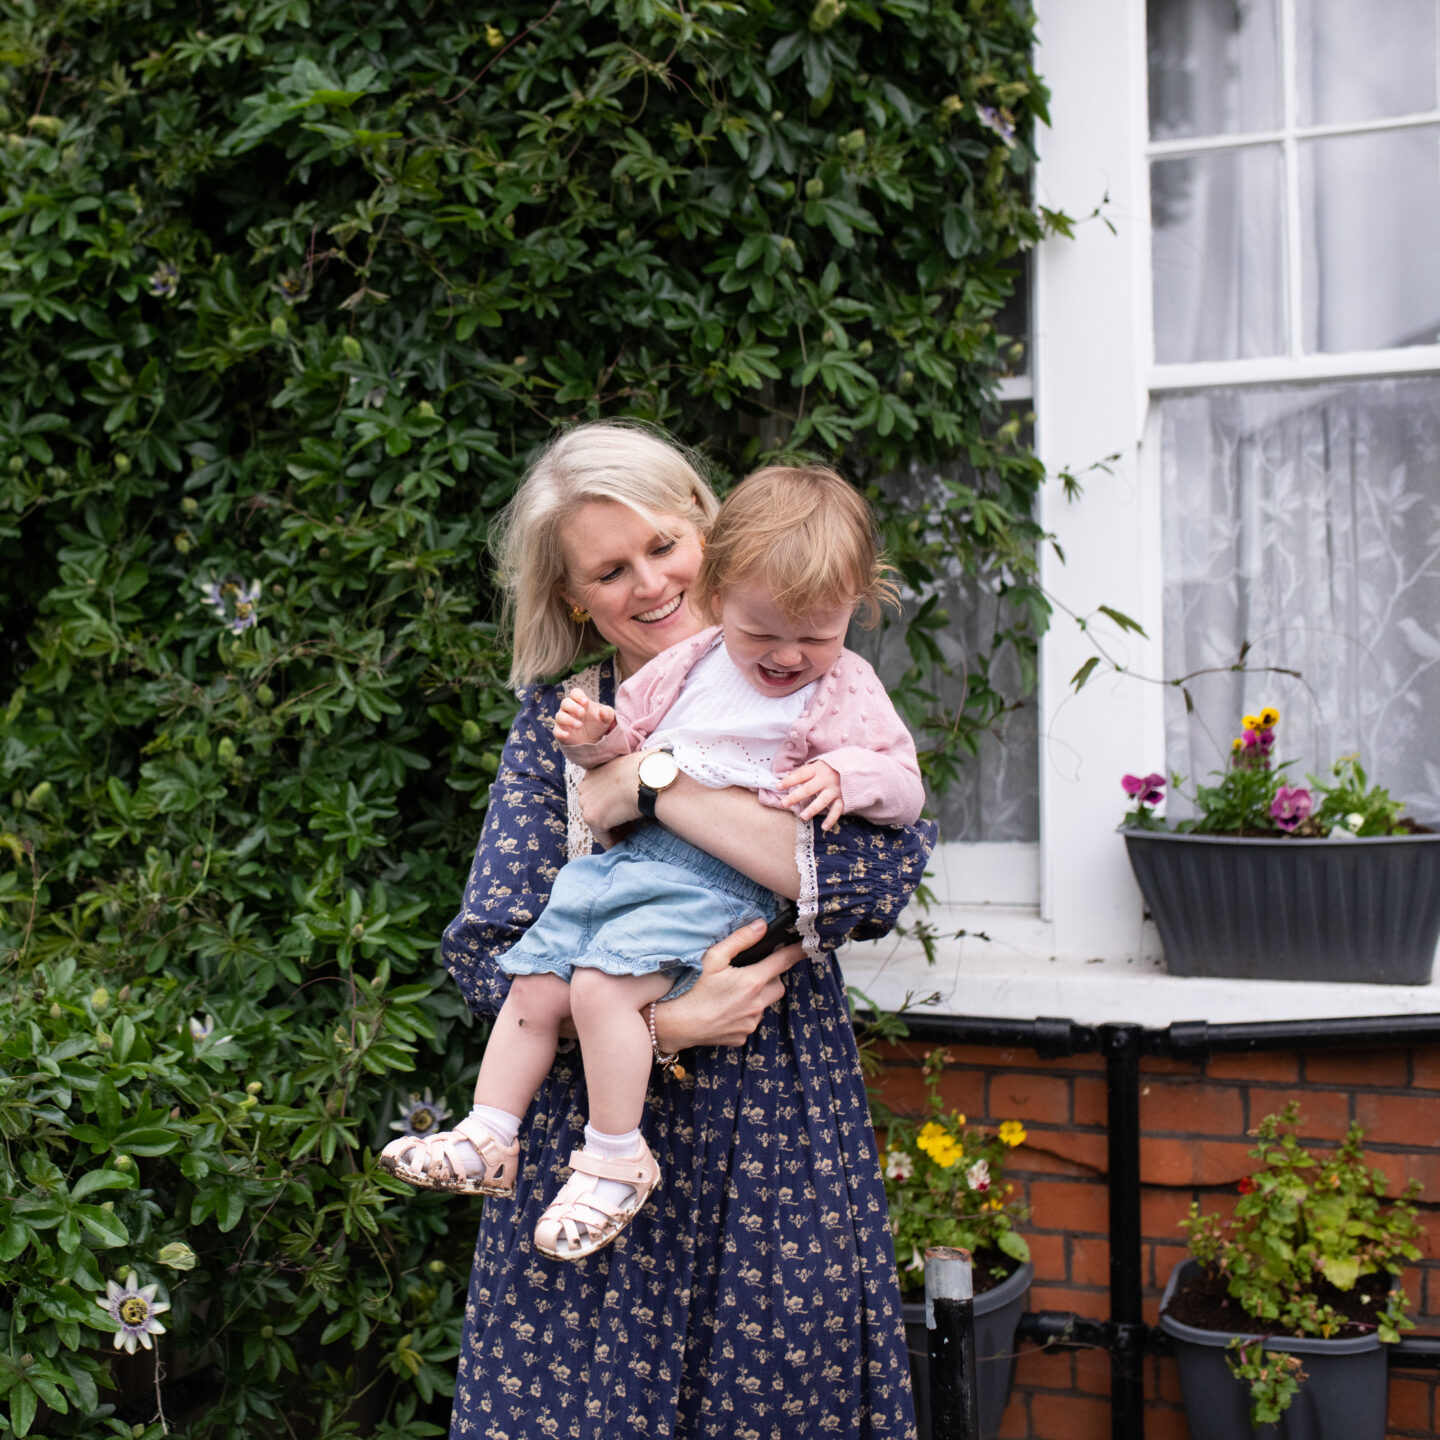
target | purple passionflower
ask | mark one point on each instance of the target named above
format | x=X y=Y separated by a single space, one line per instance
x=1147 y=790
x=996 y=121
x=1291 y=805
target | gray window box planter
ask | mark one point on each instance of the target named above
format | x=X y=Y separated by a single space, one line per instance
x=1262 y=908
x=1343 y=1398
x=997 y=1313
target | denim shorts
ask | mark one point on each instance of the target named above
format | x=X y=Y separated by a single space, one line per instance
x=650 y=904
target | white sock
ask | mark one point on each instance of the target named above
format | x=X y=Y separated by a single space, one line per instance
x=500 y=1125
x=612 y=1147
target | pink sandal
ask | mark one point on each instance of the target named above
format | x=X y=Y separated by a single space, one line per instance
x=433 y=1162
x=568 y=1230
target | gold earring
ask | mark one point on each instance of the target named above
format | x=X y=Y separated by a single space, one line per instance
x=578 y=615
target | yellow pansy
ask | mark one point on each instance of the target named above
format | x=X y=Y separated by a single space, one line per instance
x=1269 y=718
x=1251 y=722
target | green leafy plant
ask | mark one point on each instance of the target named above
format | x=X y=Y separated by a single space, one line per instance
x=1253 y=796
x=1309 y=1234
x=289 y=296
x=945 y=1182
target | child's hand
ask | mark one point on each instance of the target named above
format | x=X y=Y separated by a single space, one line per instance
x=820 y=785
x=581 y=720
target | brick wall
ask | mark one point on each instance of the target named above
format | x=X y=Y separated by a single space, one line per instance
x=1195 y=1117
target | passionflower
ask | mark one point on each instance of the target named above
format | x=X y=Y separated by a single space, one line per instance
x=134 y=1311
x=421 y=1116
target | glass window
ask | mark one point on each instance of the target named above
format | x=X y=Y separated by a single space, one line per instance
x=1304 y=522
x=1363 y=61
x=1217 y=264
x=1214 y=67
x=1371 y=203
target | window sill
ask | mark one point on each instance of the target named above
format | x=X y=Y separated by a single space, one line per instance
x=1003 y=966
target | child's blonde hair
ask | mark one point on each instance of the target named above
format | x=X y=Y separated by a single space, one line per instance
x=617 y=460
x=807 y=534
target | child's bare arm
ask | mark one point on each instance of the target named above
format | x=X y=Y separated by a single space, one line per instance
x=816 y=786
x=581 y=720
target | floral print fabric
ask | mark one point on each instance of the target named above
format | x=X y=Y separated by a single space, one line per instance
x=755 y=1297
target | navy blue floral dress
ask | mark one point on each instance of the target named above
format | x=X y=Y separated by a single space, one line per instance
x=755 y=1297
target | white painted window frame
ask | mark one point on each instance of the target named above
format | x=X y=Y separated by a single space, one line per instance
x=1084 y=951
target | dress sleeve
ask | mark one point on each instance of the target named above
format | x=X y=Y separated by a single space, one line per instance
x=865 y=876
x=521 y=849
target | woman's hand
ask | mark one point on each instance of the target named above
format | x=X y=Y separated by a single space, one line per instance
x=725 y=1005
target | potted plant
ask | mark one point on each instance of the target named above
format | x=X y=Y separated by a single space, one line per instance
x=1281 y=881
x=945 y=1181
x=1279 y=1318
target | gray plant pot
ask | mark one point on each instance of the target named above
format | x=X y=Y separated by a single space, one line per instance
x=1342 y=1398
x=1283 y=909
x=997 y=1313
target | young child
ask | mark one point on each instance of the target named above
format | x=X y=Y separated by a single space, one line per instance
x=770 y=700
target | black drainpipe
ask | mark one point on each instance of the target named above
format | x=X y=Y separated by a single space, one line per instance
x=1125 y=1335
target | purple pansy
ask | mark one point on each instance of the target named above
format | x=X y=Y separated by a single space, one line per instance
x=1147 y=789
x=1291 y=805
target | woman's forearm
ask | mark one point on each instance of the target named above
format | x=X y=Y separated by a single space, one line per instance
x=733 y=826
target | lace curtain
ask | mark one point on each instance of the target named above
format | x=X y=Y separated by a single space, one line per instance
x=1306 y=520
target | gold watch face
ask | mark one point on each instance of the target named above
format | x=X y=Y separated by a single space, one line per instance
x=658 y=770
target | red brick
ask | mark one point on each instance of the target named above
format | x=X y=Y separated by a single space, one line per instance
x=1389 y=1068
x=1166 y=1381
x=1425 y=1067
x=1078 y=1149
x=1163 y=1259
x=963 y=1091
x=1400 y=1168
x=1067 y=1417
x=1163 y=1423
x=994 y=1056
x=1092 y=1372
x=1048 y=1253
x=1193 y=1108
x=1192 y=1162
x=1162 y=1210
x=1045 y=1369
x=1090 y=1101
x=1069 y=1206
x=1324 y=1114
x=1410 y=1404
x=1399 y=1119
x=1029 y=1161
x=1269 y=1067
x=1044 y=1098
x=1089 y=1261
x=1015 y=1423
x=1163 y=1065
x=1094 y=1303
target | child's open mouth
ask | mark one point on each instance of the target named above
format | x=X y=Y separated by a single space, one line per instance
x=778 y=677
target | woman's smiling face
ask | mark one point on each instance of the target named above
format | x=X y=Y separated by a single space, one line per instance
x=633 y=579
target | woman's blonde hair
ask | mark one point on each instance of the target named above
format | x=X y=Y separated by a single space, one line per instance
x=617 y=460
x=807 y=534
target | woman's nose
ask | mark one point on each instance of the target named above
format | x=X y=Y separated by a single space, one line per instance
x=647 y=579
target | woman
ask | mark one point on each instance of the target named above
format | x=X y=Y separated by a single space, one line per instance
x=756 y=1294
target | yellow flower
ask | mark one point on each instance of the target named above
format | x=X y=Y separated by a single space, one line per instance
x=494 y=37
x=939 y=1144
x=1012 y=1132
x=1251 y=722
x=1269 y=718
x=1237 y=743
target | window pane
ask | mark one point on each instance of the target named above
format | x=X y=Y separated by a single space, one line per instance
x=1371 y=207
x=1363 y=61
x=1216 y=255
x=1306 y=521
x=1214 y=67
x=996 y=796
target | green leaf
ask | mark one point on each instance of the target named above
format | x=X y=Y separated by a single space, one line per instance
x=1079 y=678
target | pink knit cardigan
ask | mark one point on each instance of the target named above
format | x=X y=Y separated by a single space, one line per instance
x=850 y=724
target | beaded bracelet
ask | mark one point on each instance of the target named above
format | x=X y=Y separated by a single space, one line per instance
x=670 y=1064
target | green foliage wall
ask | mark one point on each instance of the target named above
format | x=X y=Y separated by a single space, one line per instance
x=288 y=296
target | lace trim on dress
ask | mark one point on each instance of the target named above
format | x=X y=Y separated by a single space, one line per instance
x=808 y=905
x=578 y=838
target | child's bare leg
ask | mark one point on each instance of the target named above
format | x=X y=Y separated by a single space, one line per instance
x=614 y=1035
x=521 y=1048
x=481 y=1155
